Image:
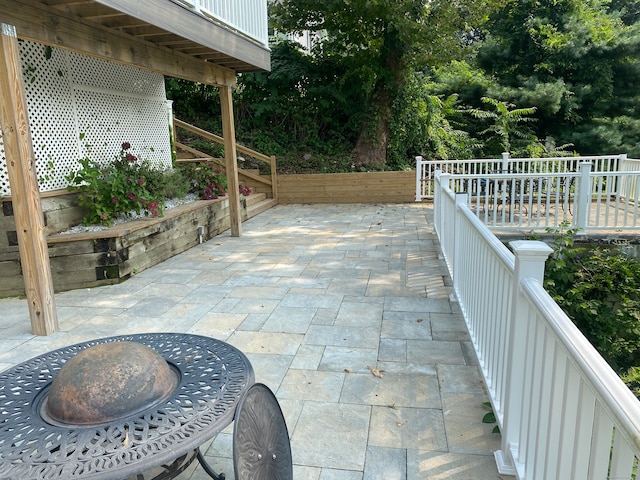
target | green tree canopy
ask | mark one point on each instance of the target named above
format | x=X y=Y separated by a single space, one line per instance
x=384 y=41
x=576 y=60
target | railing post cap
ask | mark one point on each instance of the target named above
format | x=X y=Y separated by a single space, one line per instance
x=531 y=248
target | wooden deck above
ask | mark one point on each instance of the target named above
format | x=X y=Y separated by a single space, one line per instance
x=159 y=35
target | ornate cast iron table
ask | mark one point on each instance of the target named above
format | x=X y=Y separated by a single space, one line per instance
x=211 y=379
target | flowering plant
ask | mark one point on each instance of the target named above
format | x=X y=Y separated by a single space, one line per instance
x=117 y=189
x=208 y=180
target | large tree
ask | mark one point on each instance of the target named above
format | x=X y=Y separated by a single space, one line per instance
x=384 y=41
x=576 y=60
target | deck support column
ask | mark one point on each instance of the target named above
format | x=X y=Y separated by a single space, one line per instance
x=25 y=192
x=230 y=156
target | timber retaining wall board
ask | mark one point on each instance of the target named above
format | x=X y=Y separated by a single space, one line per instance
x=364 y=187
x=89 y=259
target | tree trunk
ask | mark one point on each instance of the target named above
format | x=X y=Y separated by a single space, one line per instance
x=371 y=148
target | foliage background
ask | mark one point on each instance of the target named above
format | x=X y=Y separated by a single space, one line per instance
x=442 y=79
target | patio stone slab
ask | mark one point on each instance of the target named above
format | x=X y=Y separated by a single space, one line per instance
x=464 y=433
x=412 y=390
x=347 y=359
x=256 y=342
x=308 y=357
x=312 y=385
x=289 y=319
x=422 y=305
x=362 y=337
x=392 y=350
x=460 y=379
x=429 y=465
x=382 y=463
x=406 y=326
x=331 y=435
x=427 y=351
x=359 y=314
x=403 y=427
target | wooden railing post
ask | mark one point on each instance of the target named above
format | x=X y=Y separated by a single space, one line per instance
x=230 y=155
x=530 y=257
x=274 y=178
x=25 y=192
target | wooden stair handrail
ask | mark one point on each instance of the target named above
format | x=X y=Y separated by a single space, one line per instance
x=220 y=140
x=204 y=158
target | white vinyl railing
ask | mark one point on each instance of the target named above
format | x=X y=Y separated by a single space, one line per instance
x=425 y=169
x=248 y=17
x=580 y=198
x=563 y=412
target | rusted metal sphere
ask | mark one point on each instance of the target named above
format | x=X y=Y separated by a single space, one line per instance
x=109 y=381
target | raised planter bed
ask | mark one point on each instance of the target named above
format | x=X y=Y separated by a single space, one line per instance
x=88 y=259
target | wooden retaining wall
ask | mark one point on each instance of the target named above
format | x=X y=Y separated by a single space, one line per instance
x=367 y=187
x=88 y=259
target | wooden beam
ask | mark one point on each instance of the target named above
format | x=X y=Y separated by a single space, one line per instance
x=230 y=156
x=49 y=26
x=25 y=192
x=165 y=14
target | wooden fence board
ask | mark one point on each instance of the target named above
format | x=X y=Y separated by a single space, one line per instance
x=365 y=187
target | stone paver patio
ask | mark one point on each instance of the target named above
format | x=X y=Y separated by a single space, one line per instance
x=316 y=296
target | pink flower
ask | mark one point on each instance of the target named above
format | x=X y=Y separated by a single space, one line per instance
x=132 y=196
x=126 y=145
x=131 y=157
x=114 y=199
x=141 y=181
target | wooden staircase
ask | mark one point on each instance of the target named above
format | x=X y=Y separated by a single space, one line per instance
x=258 y=203
x=263 y=187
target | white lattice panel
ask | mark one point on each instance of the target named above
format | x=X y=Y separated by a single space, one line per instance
x=70 y=94
x=141 y=122
x=91 y=72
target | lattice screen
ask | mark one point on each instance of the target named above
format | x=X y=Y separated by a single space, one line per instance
x=70 y=94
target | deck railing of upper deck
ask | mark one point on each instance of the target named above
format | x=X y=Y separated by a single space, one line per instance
x=248 y=17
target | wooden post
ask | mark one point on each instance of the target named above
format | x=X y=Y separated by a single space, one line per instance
x=25 y=192
x=230 y=156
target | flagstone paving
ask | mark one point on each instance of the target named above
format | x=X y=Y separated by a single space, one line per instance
x=345 y=312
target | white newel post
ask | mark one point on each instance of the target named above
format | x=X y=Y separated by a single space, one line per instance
x=530 y=257
x=419 y=179
x=505 y=162
x=584 y=197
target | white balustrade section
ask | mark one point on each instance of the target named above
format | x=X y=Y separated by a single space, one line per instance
x=425 y=169
x=581 y=198
x=248 y=17
x=563 y=412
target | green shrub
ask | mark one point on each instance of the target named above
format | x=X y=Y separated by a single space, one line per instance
x=207 y=180
x=116 y=189
x=599 y=289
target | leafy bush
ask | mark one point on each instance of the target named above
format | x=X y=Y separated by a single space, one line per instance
x=207 y=180
x=599 y=288
x=116 y=189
